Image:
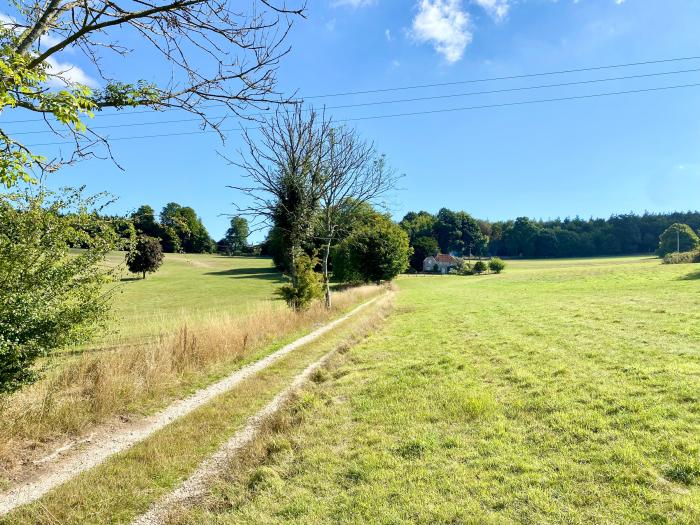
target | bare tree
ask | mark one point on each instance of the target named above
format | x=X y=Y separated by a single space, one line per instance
x=219 y=52
x=353 y=174
x=284 y=167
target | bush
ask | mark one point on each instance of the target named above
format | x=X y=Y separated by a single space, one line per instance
x=375 y=252
x=463 y=268
x=50 y=297
x=677 y=238
x=309 y=284
x=496 y=265
x=145 y=255
x=682 y=257
x=479 y=267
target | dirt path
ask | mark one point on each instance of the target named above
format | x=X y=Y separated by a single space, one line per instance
x=196 y=484
x=58 y=468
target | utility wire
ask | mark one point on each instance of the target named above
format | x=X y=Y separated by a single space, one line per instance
x=440 y=84
x=413 y=113
x=385 y=102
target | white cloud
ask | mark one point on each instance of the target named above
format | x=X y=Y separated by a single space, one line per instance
x=445 y=24
x=619 y=2
x=387 y=34
x=497 y=9
x=63 y=74
x=352 y=3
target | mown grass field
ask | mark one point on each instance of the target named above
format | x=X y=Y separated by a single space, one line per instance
x=557 y=392
x=187 y=287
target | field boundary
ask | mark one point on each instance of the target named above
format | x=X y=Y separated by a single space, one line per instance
x=99 y=450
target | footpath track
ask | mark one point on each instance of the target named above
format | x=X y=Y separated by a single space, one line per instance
x=61 y=469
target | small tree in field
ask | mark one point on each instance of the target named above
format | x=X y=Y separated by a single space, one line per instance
x=479 y=267
x=146 y=255
x=496 y=265
x=308 y=284
x=50 y=297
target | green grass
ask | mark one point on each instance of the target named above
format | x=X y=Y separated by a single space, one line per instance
x=557 y=392
x=187 y=287
x=128 y=483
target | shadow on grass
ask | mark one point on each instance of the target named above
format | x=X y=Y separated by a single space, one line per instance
x=692 y=276
x=129 y=279
x=269 y=274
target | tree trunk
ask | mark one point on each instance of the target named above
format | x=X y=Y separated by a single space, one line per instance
x=326 y=280
x=144 y=274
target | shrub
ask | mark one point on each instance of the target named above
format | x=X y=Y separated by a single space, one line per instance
x=479 y=267
x=463 y=268
x=682 y=257
x=50 y=297
x=145 y=255
x=677 y=238
x=375 y=252
x=308 y=287
x=496 y=265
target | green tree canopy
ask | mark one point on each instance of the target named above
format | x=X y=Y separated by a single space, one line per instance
x=49 y=296
x=144 y=220
x=376 y=253
x=422 y=247
x=145 y=255
x=677 y=238
x=236 y=239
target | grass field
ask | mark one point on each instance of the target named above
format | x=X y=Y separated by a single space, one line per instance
x=558 y=392
x=187 y=287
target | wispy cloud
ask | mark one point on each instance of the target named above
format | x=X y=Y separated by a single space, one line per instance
x=387 y=34
x=445 y=24
x=61 y=74
x=497 y=9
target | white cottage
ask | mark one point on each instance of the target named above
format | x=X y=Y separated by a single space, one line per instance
x=442 y=262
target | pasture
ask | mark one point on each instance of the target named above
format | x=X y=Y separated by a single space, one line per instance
x=560 y=391
x=557 y=392
x=187 y=288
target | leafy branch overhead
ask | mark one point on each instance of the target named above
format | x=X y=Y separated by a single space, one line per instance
x=217 y=54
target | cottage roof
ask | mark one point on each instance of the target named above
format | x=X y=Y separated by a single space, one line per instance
x=445 y=258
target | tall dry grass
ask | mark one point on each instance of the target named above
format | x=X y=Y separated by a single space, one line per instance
x=91 y=388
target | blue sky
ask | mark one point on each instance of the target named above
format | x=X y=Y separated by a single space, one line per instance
x=595 y=157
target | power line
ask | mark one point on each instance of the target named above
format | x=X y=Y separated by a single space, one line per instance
x=413 y=113
x=440 y=84
x=510 y=77
x=385 y=102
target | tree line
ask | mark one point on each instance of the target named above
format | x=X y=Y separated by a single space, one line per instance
x=459 y=233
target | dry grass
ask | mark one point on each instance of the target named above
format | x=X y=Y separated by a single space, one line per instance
x=250 y=469
x=128 y=484
x=94 y=387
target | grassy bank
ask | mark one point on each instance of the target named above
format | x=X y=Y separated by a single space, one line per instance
x=560 y=392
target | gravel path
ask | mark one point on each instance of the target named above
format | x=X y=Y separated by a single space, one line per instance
x=196 y=484
x=62 y=469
